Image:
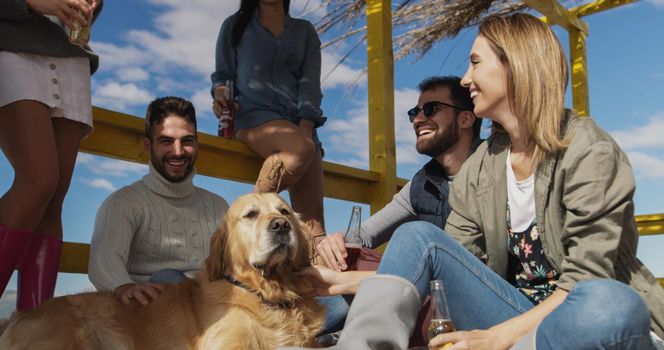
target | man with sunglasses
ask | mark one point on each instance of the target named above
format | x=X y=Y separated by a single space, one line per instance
x=448 y=131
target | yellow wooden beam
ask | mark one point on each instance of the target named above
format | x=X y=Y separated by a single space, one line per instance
x=557 y=14
x=661 y=282
x=380 y=68
x=121 y=136
x=578 y=30
x=74 y=258
x=650 y=224
x=579 y=67
x=598 y=6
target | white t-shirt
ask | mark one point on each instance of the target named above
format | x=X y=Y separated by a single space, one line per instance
x=520 y=198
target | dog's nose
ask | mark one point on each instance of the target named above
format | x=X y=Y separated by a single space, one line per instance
x=279 y=226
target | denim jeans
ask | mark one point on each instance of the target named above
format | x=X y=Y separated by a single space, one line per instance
x=167 y=276
x=597 y=314
x=337 y=308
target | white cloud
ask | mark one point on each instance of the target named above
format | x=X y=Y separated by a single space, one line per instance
x=202 y=101
x=183 y=36
x=641 y=141
x=405 y=136
x=312 y=9
x=647 y=166
x=657 y=3
x=333 y=75
x=350 y=135
x=182 y=39
x=646 y=136
x=99 y=183
x=113 y=56
x=117 y=96
x=110 y=167
x=132 y=74
x=166 y=84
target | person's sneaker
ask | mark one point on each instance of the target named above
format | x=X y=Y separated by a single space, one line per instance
x=328 y=339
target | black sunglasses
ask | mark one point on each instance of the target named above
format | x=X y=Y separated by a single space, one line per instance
x=428 y=109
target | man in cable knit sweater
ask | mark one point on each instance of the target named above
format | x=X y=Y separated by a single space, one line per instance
x=158 y=229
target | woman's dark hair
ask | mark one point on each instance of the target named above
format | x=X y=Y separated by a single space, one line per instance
x=244 y=14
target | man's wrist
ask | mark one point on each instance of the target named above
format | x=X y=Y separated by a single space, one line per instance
x=355 y=277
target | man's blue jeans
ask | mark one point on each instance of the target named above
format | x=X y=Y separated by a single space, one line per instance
x=337 y=308
x=168 y=276
x=597 y=314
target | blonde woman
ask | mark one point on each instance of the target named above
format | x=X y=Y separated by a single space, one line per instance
x=540 y=248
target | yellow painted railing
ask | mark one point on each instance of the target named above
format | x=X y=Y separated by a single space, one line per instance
x=578 y=30
x=650 y=224
x=121 y=136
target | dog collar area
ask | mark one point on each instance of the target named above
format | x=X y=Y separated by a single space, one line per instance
x=281 y=304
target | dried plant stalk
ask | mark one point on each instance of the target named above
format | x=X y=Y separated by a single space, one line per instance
x=417 y=24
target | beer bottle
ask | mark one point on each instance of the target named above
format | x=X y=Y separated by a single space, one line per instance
x=441 y=322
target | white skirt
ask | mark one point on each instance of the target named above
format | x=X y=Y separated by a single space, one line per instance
x=61 y=83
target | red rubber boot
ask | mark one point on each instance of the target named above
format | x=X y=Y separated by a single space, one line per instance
x=12 y=245
x=38 y=271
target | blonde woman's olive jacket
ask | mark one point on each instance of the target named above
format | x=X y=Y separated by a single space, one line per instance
x=584 y=211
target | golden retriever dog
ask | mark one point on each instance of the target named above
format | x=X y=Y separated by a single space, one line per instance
x=247 y=297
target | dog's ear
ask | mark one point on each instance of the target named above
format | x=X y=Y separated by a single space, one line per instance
x=305 y=245
x=214 y=264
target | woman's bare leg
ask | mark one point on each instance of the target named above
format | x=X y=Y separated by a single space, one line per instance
x=27 y=140
x=68 y=135
x=287 y=150
x=38 y=271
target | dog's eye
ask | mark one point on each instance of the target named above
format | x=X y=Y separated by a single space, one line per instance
x=284 y=211
x=250 y=214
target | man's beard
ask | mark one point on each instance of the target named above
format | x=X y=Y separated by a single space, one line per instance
x=158 y=164
x=441 y=142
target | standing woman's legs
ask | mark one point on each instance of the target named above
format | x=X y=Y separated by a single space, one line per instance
x=39 y=268
x=291 y=161
x=68 y=136
x=28 y=142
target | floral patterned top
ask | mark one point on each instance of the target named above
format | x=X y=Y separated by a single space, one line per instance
x=534 y=274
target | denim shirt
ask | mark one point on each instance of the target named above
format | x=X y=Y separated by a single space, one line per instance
x=275 y=77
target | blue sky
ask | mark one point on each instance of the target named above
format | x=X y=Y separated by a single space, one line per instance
x=153 y=48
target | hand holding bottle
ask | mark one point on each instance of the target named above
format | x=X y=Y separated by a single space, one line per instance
x=332 y=252
x=71 y=12
x=352 y=240
x=224 y=108
x=340 y=251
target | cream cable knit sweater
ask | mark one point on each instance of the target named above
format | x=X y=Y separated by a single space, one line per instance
x=151 y=225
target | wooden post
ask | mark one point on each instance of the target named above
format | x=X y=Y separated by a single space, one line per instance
x=380 y=66
x=579 y=70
